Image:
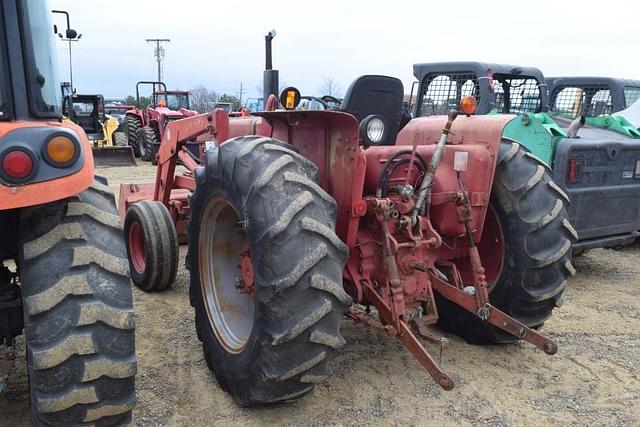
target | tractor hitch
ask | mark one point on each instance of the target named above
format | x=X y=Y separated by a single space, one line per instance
x=493 y=316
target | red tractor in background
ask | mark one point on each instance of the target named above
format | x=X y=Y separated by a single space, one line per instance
x=144 y=128
x=296 y=215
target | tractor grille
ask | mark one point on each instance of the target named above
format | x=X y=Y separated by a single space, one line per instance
x=443 y=92
x=591 y=101
x=524 y=94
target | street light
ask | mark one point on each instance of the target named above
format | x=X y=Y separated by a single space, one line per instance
x=70 y=35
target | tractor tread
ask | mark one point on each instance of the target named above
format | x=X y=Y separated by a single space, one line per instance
x=298 y=369
x=73 y=268
x=288 y=215
x=312 y=186
x=303 y=324
x=160 y=246
x=132 y=124
x=331 y=287
x=299 y=302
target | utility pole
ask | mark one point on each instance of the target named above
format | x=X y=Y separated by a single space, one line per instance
x=159 y=53
x=240 y=95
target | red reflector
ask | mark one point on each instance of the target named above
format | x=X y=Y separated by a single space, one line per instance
x=17 y=164
x=360 y=208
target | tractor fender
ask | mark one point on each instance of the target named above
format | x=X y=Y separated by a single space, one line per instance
x=330 y=139
x=466 y=132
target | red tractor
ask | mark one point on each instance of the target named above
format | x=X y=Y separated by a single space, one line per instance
x=64 y=275
x=144 y=128
x=294 y=216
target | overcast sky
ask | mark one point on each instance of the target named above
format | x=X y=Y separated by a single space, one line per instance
x=220 y=44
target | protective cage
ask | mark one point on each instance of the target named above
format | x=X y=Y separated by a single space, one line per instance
x=573 y=101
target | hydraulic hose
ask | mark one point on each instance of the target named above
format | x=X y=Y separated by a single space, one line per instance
x=424 y=194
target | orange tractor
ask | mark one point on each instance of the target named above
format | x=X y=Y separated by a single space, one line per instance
x=294 y=216
x=63 y=268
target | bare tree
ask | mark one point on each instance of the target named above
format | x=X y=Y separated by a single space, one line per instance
x=330 y=87
x=202 y=99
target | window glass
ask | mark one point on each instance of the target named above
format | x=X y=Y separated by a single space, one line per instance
x=42 y=72
x=631 y=95
x=4 y=79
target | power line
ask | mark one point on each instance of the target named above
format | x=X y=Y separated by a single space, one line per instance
x=159 y=53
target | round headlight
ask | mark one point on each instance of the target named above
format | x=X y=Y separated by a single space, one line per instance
x=373 y=130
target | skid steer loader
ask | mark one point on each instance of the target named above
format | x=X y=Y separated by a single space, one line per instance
x=605 y=102
x=87 y=111
x=595 y=166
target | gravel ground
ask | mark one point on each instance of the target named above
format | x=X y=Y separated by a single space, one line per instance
x=593 y=380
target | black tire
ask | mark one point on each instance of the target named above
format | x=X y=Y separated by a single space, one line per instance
x=532 y=212
x=78 y=311
x=131 y=126
x=119 y=139
x=158 y=269
x=146 y=139
x=297 y=262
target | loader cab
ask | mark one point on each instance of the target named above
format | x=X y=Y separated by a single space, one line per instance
x=29 y=84
x=87 y=111
x=591 y=96
x=497 y=88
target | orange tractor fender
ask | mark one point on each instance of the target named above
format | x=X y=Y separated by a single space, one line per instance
x=18 y=196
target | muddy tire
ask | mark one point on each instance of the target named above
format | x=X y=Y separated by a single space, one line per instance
x=131 y=126
x=146 y=139
x=152 y=245
x=268 y=196
x=532 y=214
x=78 y=311
x=119 y=139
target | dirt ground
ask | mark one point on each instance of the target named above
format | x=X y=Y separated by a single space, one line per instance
x=592 y=380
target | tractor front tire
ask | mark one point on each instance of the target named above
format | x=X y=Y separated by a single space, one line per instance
x=146 y=139
x=78 y=311
x=119 y=139
x=152 y=245
x=531 y=211
x=256 y=196
x=131 y=126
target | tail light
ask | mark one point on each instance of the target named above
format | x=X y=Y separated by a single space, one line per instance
x=574 y=170
x=60 y=151
x=17 y=165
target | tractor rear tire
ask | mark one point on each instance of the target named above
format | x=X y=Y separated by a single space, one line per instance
x=267 y=194
x=152 y=245
x=131 y=126
x=78 y=311
x=119 y=139
x=532 y=214
x=146 y=139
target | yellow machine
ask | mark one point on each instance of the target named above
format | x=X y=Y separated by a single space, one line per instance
x=109 y=146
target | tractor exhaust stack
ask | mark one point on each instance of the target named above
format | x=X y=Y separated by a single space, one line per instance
x=270 y=76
